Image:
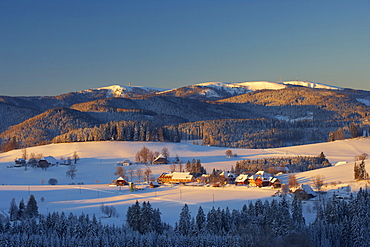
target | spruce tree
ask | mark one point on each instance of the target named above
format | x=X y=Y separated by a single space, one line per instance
x=200 y=219
x=13 y=210
x=32 y=209
x=21 y=210
x=184 y=221
x=133 y=216
x=146 y=213
x=297 y=216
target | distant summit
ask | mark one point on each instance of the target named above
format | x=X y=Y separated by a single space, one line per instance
x=220 y=90
x=205 y=90
x=122 y=91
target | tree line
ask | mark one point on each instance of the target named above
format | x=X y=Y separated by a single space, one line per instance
x=294 y=164
x=338 y=222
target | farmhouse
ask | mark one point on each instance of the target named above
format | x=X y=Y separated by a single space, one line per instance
x=120 y=181
x=161 y=159
x=20 y=162
x=275 y=182
x=242 y=179
x=304 y=192
x=228 y=177
x=45 y=162
x=175 y=177
x=50 y=160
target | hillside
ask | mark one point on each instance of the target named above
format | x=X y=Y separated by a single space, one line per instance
x=220 y=90
x=98 y=163
x=294 y=113
x=43 y=127
x=323 y=103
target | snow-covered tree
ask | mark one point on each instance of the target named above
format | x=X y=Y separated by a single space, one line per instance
x=13 y=210
x=184 y=225
x=32 y=210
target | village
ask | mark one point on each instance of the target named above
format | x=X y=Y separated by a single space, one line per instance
x=195 y=175
x=259 y=179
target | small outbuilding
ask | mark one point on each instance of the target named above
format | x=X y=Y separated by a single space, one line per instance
x=19 y=162
x=50 y=160
x=275 y=182
x=120 y=181
x=304 y=192
x=153 y=184
x=161 y=159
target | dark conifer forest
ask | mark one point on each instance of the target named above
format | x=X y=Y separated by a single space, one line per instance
x=338 y=222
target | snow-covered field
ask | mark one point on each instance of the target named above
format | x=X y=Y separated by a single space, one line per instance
x=98 y=162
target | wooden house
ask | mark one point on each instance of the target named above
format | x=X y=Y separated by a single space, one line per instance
x=120 y=181
x=275 y=182
x=241 y=179
x=160 y=160
x=19 y=162
x=175 y=177
x=260 y=179
x=252 y=180
x=228 y=177
x=126 y=163
x=304 y=192
x=49 y=160
x=164 y=178
x=205 y=179
x=153 y=184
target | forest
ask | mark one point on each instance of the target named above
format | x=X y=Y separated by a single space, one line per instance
x=259 y=119
x=338 y=222
x=294 y=164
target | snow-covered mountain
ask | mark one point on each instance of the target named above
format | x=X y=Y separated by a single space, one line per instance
x=218 y=90
x=122 y=91
x=205 y=90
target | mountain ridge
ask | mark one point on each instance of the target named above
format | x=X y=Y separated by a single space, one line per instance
x=197 y=105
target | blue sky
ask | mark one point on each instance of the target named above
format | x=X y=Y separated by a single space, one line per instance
x=54 y=47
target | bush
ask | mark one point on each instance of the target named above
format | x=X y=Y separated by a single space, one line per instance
x=52 y=181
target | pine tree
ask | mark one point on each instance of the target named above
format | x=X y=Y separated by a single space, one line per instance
x=157 y=224
x=297 y=216
x=200 y=219
x=32 y=209
x=146 y=213
x=184 y=221
x=13 y=211
x=21 y=210
x=133 y=216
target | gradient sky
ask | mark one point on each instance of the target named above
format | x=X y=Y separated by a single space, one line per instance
x=53 y=47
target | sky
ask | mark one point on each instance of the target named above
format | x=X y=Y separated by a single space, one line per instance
x=54 y=47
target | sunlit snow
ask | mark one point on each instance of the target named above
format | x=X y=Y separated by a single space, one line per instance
x=98 y=163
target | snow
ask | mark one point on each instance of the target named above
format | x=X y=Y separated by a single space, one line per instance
x=245 y=86
x=312 y=84
x=209 y=93
x=119 y=91
x=309 y=116
x=97 y=165
x=234 y=87
x=364 y=101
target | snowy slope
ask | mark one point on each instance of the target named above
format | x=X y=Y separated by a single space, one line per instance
x=311 y=85
x=260 y=85
x=210 y=88
x=119 y=91
x=98 y=163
